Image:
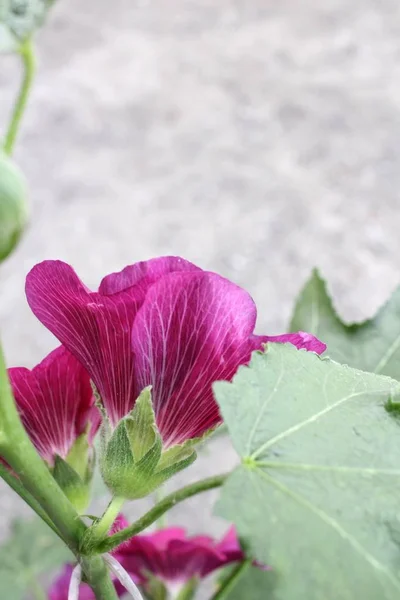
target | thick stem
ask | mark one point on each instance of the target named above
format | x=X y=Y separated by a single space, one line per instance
x=96 y=575
x=27 y=54
x=19 y=452
x=159 y=509
x=17 y=486
x=230 y=582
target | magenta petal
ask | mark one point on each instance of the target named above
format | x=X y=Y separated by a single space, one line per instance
x=171 y=556
x=230 y=547
x=95 y=328
x=191 y=558
x=119 y=524
x=143 y=274
x=55 y=401
x=192 y=329
x=301 y=340
x=162 y=537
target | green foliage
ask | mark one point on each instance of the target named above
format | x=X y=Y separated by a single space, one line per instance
x=31 y=549
x=14 y=210
x=373 y=345
x=316 y=496
x=254 y=584
x=19 y=19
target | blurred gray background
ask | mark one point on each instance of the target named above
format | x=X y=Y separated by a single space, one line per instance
x=257 y=139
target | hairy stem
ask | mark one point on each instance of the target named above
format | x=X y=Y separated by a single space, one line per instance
x=103 y=526
x=27 y=54
x=162 y=521
x=97 y=576
x=230 y=582
x=159 y=509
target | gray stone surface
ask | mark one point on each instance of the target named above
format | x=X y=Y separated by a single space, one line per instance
x=257 y=139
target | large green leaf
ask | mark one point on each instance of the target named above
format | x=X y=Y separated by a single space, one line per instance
x=253 y=584
x=31 y=549
x=317 y=494
x=373 y=345
x=19 y=19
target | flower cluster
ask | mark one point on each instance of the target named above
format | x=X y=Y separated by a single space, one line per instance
x=165 y=560
x=151 y=341
x=139 y=358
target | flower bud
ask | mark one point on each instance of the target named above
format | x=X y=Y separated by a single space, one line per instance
x=134 y=462
x=14 y=210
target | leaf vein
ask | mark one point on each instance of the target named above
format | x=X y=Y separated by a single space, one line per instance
x=330 y=521
x=328 y=468
x=299 y=426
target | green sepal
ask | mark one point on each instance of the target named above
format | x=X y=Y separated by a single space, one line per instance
x=155 y=589
x=82 y=458
x=117 y=462
x=73 y=486
x=133 y=452
x=133 y=463
x=175 y=459
x=141 y=426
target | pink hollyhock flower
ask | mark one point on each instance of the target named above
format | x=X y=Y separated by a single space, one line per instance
x=164 y=323
x=55 y=402
x=174 y=558
x=60 y=587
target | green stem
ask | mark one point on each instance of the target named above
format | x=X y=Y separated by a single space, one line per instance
x=159 y=509
x=103 y=526
x=96 y=575
x=162 y=521
x=20 y=454
x=27 y=54
x=17 y=486
x=230 y=582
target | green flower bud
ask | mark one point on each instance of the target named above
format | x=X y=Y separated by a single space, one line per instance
x=14 y=211
x=133 y=460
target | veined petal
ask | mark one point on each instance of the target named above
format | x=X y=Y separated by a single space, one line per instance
x=301 y=340
x=192 y=329
x=171 y=556
x=55 y=402
x=95 y=328
x=143 y=274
